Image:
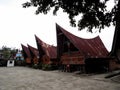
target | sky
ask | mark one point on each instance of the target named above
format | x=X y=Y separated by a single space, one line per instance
x=19 y=25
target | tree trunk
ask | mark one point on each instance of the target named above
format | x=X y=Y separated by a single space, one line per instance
x=116 y=41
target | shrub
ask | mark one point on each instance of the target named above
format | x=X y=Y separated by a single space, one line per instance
x=46 y=67
x=35 y=66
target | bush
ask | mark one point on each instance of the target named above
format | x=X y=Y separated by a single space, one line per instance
x=35 y=66
x=3 y=63
x=46 y=67
x=19 y=62
x=39 y=65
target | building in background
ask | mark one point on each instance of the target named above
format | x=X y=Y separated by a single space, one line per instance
x=34 y=55
x=19 y=55
x=47 y=53
x=26 y=55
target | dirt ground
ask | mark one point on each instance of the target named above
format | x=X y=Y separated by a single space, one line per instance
x=24 y=78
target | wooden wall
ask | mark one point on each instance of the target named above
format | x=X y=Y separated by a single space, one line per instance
x=72 y=58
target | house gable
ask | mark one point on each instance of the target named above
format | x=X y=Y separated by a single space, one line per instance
x=34 y=52
x=64 y=45
x=26 y=51
x=46 y=49
x=90 y=48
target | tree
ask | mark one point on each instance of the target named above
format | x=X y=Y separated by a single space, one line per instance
x=8 y=52
x=94 y=12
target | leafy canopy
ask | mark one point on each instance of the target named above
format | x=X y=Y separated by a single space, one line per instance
x=8 y=52
x=94 y=12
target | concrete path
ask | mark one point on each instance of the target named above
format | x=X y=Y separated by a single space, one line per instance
x=23 y=78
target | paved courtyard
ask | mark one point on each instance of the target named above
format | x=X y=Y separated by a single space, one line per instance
x=24 y=78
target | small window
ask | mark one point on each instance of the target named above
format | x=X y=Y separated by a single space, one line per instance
x=10 y=62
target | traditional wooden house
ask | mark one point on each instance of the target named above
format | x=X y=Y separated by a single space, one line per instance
x=34 y=55
x=79 y=53
x=47 y=53
x=26 y=55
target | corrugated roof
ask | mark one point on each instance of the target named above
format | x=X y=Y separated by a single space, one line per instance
x=34 y=51
x=49 y=50
x=89 y=47
x=26 y=50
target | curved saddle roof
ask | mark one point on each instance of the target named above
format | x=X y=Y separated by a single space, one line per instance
x=89 y=47
x=26 y=51
x=49 y=50
x=34 y=51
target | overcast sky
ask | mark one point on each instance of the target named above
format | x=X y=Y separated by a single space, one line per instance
x=19 y=25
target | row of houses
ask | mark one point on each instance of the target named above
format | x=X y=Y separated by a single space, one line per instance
x=72 y=53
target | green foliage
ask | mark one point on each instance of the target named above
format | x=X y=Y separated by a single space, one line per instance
x=35 y=66
x=40 y=65
x=46 y=67
x=20 y=62
x=8 y=52
x=94 y=12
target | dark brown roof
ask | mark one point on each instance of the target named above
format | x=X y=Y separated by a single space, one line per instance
x=47 y=49
x=26 y=51
x=34 y=51
x=89 y=47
